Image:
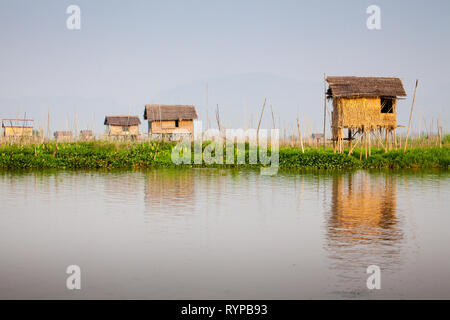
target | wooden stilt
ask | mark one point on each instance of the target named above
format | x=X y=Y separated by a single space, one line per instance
x=333 y=130
x=365 y=142
x=300 y=135
x=360 y=146
x=378 y=142
x=390 y=139
x=385 y=139
x=395 y=139
x=340 y=140
x=410 y=115
x=349 y=141
x=354 y=146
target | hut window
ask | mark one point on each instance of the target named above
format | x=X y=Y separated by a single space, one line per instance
x=125 y=129
x=387 y=105
x=177 y=123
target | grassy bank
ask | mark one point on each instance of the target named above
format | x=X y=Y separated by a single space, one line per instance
x=101 y=154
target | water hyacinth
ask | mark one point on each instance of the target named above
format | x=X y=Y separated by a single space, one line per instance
x=109 y=155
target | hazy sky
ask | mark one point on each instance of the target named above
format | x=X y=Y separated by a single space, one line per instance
x=129 y=53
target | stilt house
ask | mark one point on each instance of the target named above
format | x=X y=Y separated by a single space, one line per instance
x=364 y=106
x=165 y=121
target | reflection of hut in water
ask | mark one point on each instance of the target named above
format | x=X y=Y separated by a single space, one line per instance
x=363 y=206
x=175 y=187
x=363 y=228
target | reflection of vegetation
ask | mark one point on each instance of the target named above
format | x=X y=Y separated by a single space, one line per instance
x=101 y=154
x=169 y=188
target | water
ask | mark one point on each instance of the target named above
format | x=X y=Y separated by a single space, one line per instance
x=213 y=233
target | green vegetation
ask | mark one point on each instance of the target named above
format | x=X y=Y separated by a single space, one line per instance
x=101 y=154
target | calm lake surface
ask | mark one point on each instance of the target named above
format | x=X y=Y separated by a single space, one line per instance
x=225 y=234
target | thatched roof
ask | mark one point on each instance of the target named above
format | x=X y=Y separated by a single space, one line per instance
x=17 y=123
x=86 y=132
x=122 y=120
x=62 y=134
x=352 y=87
x=169 y=112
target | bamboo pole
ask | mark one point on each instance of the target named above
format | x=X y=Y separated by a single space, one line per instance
x=260 y=118
x=365 y=142
x=391 y=139
x=395 y=139
x=410 y=115
x=23 y=128
x=334 y=138
x=361 y=145
x=353 y=146
x=300 y=135
x=218 y=118
x=207 y=116
x=419 y=131
x=48 y=125
x=273 y=118
x=439 y=132
x=385 y=140
x=350 y=138
x=76 y=124
x=324 y=108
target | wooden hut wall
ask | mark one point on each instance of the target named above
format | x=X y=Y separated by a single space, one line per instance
x=16 y=131
x=358 y=112
x=168 y=126
x=118 y=130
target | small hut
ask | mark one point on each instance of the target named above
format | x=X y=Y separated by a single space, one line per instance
x=317 y=137
x=364 y=106
x=123 y=126
x=168 y=120
x=86 y=135
x=63 y=136
x=13 y=128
